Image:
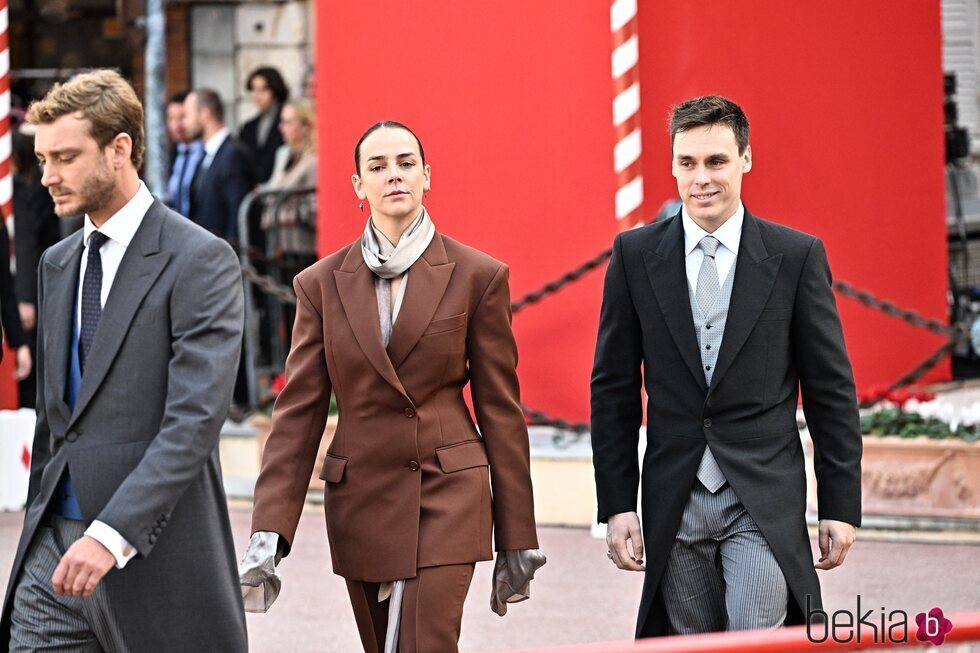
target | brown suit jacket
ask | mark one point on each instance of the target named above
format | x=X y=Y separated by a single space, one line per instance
x=407 y=474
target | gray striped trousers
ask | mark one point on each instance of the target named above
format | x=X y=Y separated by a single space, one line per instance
x=721 y=573
x=44 y=621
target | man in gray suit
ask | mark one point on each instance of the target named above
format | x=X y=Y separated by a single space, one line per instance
x=730 y=316
x=126 y=543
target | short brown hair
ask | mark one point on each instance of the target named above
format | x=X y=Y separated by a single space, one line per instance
x=710 y=110
x=103 y=98
x=208 y=98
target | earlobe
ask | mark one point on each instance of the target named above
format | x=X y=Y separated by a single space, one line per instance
x=358 y=186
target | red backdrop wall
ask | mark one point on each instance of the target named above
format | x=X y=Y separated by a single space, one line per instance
x=512 y=101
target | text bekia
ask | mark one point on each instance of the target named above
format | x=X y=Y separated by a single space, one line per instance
x=875 y=626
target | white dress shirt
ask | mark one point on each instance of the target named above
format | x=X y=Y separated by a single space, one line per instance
x=212 y=145
x=729 y=235
x=119 y=229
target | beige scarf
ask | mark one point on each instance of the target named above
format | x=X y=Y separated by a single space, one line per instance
x=388 y=261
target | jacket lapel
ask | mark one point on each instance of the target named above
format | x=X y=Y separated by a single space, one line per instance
x=355 y=285
x=60 y=287
x=140 y=266
x=755 y=274
x=668 y=277
x=427 y=281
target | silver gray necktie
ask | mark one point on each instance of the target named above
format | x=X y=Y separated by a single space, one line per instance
x=707 y=294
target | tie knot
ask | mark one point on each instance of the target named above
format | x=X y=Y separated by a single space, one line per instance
x=709 y=245
x=96 y=241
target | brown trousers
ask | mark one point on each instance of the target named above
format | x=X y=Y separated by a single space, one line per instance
x=432 y=610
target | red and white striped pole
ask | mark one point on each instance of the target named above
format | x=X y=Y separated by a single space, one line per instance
x=626 y=113
x=6 y=173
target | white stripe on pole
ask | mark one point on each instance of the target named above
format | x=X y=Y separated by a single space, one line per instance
x=625 y=56
x=621 y=13
x=629 y=197
x=4 y=20
x=6 y=189
x=627 y=150
x=626 y=104
x=4 y=104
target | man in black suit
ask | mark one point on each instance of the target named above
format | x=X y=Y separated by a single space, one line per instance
x=225 y=174
x=730 y=316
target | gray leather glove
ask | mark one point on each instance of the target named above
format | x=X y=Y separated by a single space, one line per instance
x=257 y=572
x=512 y=574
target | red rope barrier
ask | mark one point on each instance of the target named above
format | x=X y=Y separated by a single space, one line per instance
x=966 y=628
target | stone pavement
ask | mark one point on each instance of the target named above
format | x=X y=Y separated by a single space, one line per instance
x=579 y=596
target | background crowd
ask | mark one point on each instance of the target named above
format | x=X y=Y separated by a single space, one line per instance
x=255 y=189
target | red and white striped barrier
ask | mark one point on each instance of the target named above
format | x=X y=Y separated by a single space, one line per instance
x=6 y=173
x=966 y=628
x=16 y=442
x=626 y=113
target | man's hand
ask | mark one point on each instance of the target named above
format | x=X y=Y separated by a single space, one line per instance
x=82 y=567
x=836 y=538
x=23 y=362
x=28 y=315
x=622 y=527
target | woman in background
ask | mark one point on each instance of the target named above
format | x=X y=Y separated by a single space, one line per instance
x=268 y=92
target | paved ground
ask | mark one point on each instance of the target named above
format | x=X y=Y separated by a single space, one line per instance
x=578 y=596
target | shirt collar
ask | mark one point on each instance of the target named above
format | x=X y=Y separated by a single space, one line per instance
x=213 y=144
x=122 y=225
x=728 y=234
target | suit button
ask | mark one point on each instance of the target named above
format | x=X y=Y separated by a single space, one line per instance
x=707 y=423
x=72 y=436
x=413 y=465
x=409 y=412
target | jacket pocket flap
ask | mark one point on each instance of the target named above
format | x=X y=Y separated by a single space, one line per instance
x=464 y=455
x=774 y=314
x=333 y=469
x=445 y=324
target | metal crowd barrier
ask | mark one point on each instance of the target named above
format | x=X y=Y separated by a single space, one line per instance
x=248 y=254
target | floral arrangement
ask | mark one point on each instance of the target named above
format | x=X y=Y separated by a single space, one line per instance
x=913 y=413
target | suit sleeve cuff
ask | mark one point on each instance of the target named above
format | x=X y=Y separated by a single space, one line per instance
x=110 y=538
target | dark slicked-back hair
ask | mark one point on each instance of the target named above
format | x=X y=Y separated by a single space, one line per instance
x=710 y=110
x=389 y=124
x=273 y=80
x=208 y=98
x=178 y=98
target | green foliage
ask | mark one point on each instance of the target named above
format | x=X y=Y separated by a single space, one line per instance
x=894 y=421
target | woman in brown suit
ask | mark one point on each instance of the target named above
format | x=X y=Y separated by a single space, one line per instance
x=395 y=325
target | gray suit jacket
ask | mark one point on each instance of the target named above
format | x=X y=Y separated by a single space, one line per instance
x=142 y=441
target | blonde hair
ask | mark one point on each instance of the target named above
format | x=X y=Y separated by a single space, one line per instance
x=103 y=98
x=305 y=112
